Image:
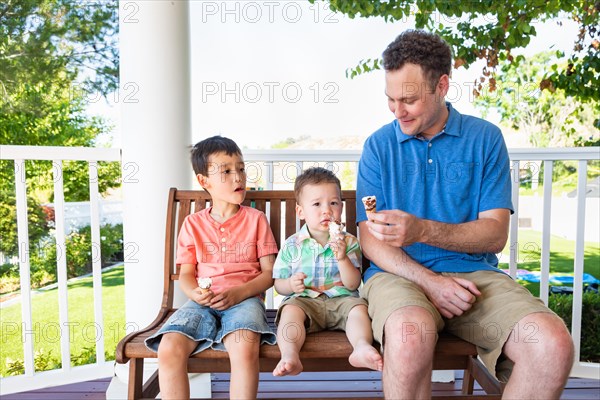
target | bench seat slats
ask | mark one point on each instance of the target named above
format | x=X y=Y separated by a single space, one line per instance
x=322 y=351
x=319 y=346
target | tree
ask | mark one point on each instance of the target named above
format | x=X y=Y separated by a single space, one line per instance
x=49 y=50
x=8 y=213
x=59 y=41
x=53 y=115
x=490 y=30
x=549 y=119
x=59 y=120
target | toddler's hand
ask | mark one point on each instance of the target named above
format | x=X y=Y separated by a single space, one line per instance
x=338 y=245
x=297 y=282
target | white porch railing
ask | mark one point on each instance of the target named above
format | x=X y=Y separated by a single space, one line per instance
x=268 y=169
x=66 y=374
x=548 y=156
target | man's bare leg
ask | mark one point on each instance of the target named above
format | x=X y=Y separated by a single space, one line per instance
x=409 y=343
x=542 y=350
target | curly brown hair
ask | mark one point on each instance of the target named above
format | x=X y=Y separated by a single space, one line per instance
x=422 y=48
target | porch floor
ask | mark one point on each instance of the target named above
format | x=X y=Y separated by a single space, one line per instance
x=306 y=385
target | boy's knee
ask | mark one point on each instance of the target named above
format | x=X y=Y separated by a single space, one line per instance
x=291 y=311
x=292 y=321
x=173 y=348
x=245 y=346
x=359 y=310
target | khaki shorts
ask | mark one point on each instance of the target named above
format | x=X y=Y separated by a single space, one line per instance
x=323 y=312
x=502 y=304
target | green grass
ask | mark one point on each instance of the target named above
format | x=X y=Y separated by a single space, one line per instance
x=564 y=178
x=562 y=255
x=84 y=332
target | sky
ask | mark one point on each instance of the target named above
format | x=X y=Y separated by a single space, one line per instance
x=264 y=71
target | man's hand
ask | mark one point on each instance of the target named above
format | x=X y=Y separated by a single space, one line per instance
x=451 y=296
x=396 y=227
x=297 y=282
x=487 y=234
x=226 y=299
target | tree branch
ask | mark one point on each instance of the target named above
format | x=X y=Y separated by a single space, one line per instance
x=11 y=56
x=6 y=10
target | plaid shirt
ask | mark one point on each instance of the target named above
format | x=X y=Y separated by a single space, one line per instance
x=302 y=253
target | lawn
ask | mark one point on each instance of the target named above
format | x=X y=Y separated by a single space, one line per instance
x=562 y=255
x=84 y=332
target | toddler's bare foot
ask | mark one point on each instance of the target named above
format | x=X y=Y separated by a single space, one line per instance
x=288 y=367
x=365 y=356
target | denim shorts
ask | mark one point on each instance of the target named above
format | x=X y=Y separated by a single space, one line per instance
x=208 y=327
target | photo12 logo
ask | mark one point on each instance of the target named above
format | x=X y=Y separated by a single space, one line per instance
x=270 y=92
x=52 y=332
x=253 y=12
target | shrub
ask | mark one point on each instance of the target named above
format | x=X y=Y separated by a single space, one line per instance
x=79 y=252
x=9 y=269
x=15 y=367
x=9 y=278
x=9 y=284
x=42 y=258
x=43 y=361
x=562 y=304
x=40 y=274
x=87 y=356
x=37 y=219
x=111 y=241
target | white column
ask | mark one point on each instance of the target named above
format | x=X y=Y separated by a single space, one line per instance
x=156 y=122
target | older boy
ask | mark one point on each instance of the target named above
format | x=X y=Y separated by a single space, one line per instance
x=233 y=246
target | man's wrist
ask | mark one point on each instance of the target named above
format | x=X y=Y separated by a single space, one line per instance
x=427 y=227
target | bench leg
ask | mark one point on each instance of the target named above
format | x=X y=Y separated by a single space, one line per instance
x=486 y=380
x=468 y=382
x=137 y=389
x=151 y=387
x=136 y=376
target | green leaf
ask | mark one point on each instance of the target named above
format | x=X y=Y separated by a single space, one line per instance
x=508 y=25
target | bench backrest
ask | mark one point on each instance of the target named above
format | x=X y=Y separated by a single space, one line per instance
x=278 y=205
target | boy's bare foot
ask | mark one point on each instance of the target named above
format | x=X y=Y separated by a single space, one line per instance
x=365 y=356
x=288 y=367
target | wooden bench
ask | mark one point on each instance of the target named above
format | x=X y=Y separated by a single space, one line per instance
x=322 y=351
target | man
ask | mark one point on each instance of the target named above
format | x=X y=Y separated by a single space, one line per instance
x=442 y=181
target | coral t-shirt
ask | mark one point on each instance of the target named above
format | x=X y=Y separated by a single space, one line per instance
x=226 y=252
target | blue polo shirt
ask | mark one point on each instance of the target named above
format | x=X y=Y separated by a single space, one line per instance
x=451 y=178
